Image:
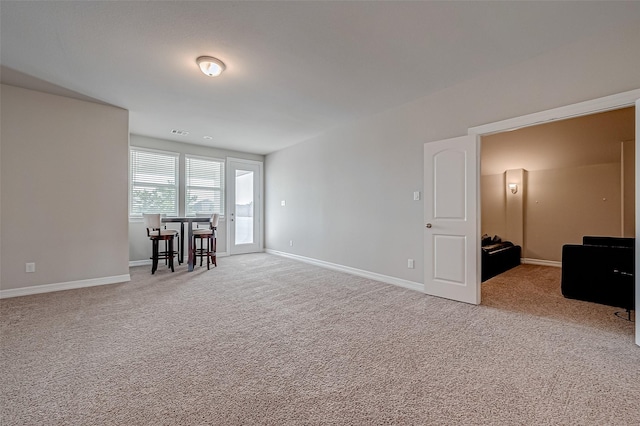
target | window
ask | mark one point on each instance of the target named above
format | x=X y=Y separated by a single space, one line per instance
x=153 y=182
x=204 y=187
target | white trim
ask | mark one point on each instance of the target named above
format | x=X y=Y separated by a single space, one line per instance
x=594 y=106
x=622 y=188
x=541 y=262
x=204 y=157
x=154 y=150
x=637 y=218
x=48 y=288
x=353 y=271
x=245 y=160
x=146 y=262
x=261 y=221
x=139 y=262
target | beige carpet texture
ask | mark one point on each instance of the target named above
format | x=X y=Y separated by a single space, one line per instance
x=265 y=340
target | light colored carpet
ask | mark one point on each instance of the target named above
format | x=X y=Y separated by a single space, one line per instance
x=267 y=340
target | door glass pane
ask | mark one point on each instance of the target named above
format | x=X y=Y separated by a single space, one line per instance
x=244 y=207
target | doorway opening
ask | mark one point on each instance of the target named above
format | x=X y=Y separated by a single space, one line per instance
x=550 y=184
x=438 y=275
x=547 y=186
x=607 y=103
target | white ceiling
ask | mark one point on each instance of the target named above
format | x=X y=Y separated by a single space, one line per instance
x=294 y=69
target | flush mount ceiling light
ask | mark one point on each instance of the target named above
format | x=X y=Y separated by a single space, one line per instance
x=211 y=66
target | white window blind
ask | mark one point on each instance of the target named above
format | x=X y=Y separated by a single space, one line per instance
x=204 y=186
x=153 y=182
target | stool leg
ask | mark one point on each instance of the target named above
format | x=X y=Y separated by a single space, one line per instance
x=170 y=255
x=154 y=256
x=179 y=250
x=165 y=250
x=208 y=252
x=201 y=241
x=213 y=250
x=195 y=249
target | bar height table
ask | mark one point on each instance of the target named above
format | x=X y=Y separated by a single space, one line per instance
x=188 y=220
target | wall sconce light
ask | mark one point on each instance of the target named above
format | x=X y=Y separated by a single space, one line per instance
x=513 y=187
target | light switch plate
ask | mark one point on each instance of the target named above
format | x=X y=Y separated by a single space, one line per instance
x=416 y=196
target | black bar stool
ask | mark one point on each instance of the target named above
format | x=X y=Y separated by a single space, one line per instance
x=208 y=234
x=156 y=233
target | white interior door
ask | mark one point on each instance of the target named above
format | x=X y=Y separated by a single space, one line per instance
x=451 y=219
x=244 y=201
x=637 y=271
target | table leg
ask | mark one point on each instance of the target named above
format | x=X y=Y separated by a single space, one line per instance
x=181 y=249
x=154 y=256
x=191 y=253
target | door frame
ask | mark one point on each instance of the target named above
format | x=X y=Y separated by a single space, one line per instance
x=607 y=103
x=259 y=204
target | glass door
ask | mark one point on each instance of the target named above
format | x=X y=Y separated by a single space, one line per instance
x=244 y=206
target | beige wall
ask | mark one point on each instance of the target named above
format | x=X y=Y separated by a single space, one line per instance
x=494 y=219
x=139 y=245
x=64 y=190
x=580 y=141
x=558 y=207
x=572 y=166
x=565 y=204
x=629 y=187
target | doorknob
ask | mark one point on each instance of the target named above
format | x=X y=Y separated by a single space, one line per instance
x=428 y=225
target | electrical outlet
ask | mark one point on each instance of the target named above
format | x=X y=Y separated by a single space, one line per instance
x=416 y=196
x=410 y=263
x=290 y=243
x=283 y=203
x=30 y=267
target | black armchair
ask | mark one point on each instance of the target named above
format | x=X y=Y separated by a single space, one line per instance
x=601 y=270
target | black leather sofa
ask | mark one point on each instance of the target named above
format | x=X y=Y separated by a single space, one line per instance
x=498 y=256
x=601 y=270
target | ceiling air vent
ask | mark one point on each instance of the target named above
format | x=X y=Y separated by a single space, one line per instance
x=179 y=132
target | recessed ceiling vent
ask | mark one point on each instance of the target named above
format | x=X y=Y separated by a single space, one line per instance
x=179 y=132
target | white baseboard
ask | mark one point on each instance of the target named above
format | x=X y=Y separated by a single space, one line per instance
x=349 y=270
x=48 y=288
x=139 y=262
x=146 y=262
x=540 y=262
